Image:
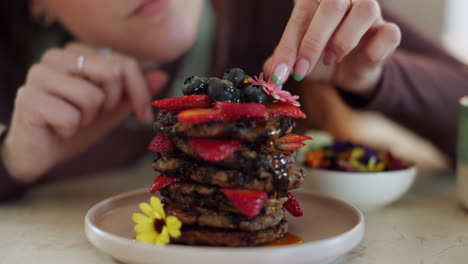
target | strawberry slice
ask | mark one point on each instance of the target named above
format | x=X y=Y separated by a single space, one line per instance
x=223 y=111
x=292 y=138
x=284 y=109
x=199 y=116
x=249 y=203
x=292 y=206
x=184 y=102
x=161 y=143
x=214 y=150
x=161 y=182
x=290 y=146
x=236 y=111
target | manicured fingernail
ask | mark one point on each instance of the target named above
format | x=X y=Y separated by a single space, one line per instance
x=281 y=74
x=301 y=69
x=329 y=58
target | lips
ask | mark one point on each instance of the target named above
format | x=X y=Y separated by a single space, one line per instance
x=151 y=7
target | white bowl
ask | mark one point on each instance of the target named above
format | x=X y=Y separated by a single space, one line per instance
x=365 y=190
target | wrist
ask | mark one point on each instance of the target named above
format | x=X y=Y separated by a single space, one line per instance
x=17 y=175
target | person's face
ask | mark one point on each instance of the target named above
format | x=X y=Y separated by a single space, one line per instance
x=160 y=30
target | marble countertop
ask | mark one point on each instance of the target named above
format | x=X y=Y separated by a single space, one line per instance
x=427 y=226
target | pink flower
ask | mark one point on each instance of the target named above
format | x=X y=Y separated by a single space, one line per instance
x=275 y=91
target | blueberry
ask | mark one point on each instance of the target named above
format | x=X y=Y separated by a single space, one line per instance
x=194 y=85
x=222 y=90
x=254 y=94
x=236 y=76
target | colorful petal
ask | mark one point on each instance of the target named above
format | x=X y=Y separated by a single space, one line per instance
x=144 y=228
x=173 y=226
x=158 y=209
x=147 y=237
x=141 y=218
x=163 y=238
x=146 y=208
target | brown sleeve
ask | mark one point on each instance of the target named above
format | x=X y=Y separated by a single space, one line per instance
x=420 y=88
x=422 y=93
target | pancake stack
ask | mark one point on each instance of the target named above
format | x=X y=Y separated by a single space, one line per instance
x=225 y=154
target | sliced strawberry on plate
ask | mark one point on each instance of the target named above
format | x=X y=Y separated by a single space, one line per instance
x=199 y=116
x=249 y=203
x=292 y=138
x=161 y=143
x=284 y=109
x=184 y=102
x=236 y=111
x=214 y=150
x=292 y=206
x=290 y=146
x=161 y=182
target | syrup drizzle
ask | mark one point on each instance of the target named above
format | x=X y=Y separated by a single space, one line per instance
x=287 y=239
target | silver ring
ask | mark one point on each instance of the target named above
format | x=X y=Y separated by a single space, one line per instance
x=105 y=52
x=80 y=63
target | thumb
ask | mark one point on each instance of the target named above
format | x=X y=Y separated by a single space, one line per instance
x=156 y=80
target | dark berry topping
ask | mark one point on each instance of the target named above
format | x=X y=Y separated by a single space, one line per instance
x=236 y=76
x=194 y=85
x=222 y=90
x=254 y=94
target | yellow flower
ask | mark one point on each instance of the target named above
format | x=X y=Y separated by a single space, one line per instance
x=154 y=227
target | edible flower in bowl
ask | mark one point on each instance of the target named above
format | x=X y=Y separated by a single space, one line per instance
x=360 y=175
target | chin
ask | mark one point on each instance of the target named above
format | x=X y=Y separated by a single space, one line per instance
x=165 y=40
x=168 y=46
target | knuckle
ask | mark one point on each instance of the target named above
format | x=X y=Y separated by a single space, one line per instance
x=393 y=34
x=114 y=71
x=35 y=72
x=21 y=97
x=335 y=5
x=370 y=8
x=130 y=64
x=70 y=122
x=311 y=46
x=94 y=100
x=51 y=54
x=72 y=46
x=287 y=51
x=341 y=48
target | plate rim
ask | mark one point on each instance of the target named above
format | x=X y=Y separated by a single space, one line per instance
x=195 y=250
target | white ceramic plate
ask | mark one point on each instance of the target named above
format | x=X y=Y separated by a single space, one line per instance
x=329 y=228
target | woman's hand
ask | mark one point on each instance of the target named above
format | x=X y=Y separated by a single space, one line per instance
x=350 y=38
x=63 y=109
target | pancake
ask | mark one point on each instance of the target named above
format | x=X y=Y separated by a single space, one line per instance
x=230 y=238
x=193 y=194
x=203 y=217
x=248 y=156
x=250 y=130
x=248 y=178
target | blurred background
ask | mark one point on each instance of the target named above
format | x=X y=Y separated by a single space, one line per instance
x=444 y=20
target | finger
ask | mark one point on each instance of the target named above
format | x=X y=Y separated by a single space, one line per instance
x=383 y=43
x=285 y=54
x=105 y=73
x=137 y=90
x=362 y=16
x=268 y=65
x=79 y=49
x=80 y=93
x=61 y=116
x=156 y=80
x=324 y=23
